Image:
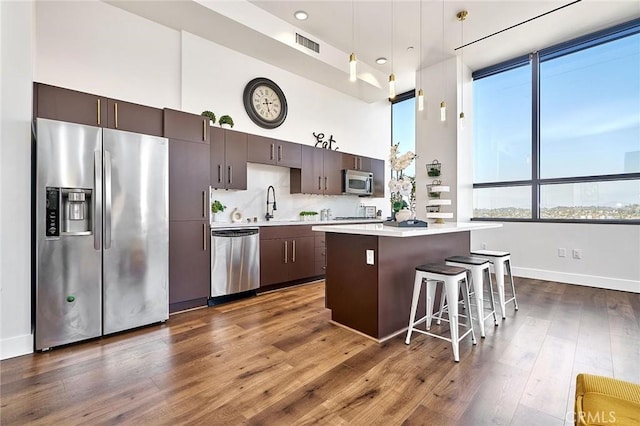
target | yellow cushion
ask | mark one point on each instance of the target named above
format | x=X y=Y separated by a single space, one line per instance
x=606 y=401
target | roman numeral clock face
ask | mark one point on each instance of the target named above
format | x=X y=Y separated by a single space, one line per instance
x=265 y=103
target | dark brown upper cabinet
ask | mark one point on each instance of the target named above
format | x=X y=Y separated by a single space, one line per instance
x=228 y=159
x=356 y=162
x=134 y=118
x=377 y=168
x=185 y=126
x=266 y=150
x=62 y=104
x=321 y=172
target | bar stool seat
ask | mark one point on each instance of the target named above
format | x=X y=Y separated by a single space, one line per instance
x=501 y=261
x=454 y=279
x=478 y=268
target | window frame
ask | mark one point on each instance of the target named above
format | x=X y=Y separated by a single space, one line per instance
x=591 y=40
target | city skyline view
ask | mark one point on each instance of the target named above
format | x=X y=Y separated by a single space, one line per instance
x=589 y=126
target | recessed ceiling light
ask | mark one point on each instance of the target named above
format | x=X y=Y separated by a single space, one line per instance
x=381 y=61
x=301 y=15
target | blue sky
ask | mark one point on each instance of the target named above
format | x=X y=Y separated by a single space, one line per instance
x=589 y=115
x=404 y=129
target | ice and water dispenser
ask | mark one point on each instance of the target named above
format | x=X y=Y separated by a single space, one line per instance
x=68 y=211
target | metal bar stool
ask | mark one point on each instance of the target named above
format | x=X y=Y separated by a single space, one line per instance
x=454 y=279
x=478 y=268
x=501 y=261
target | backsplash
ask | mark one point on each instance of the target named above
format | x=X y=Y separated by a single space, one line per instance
x=253 y=202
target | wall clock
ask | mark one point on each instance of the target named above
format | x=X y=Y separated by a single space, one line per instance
x=265 y=103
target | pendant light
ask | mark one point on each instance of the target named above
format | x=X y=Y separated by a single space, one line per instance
x=352 y=57
x=461 y=16
x=443 y=105
x=392 y=77
x=420 y=92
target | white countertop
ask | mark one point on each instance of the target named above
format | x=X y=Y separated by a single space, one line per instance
x=380 y=230
x=246 y=224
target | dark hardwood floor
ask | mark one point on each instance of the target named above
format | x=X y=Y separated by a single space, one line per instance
x=275 y=360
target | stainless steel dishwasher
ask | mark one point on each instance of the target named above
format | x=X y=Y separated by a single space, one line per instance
x=235 y=262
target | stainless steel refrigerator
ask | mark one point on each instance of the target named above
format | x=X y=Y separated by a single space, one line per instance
x=101 y=237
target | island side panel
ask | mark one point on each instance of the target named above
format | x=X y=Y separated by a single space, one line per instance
x=397 y=259
x=351 y=284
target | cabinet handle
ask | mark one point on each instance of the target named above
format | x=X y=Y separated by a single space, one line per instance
x=293 y=251
x=319 y=183
x=204 y=204
x=355 y=163
x=204 y=130
x=98 y=112
x=272 y=155
x=219 y=173
x=279 y=152
x=204 y=237
x=230 y=177
x=115 y=110
x=286 y=252
x=325 y=183
x=359 y=163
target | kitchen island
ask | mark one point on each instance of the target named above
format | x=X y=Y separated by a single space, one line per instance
x=370 y=270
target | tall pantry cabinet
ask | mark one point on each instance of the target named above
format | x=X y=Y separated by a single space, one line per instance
x=189 y=235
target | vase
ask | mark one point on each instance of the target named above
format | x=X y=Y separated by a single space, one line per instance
x=403 y=214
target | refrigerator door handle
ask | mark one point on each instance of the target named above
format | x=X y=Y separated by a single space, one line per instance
x=107 y=200
x=97 y=200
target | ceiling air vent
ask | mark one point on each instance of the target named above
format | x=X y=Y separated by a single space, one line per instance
x=309 y=44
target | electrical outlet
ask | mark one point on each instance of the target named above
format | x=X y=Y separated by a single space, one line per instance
x=562 y=252
x=577 y=254
x=484 y=246
x=369 y=257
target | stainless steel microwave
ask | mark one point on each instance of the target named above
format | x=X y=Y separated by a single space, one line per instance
x=357 y=182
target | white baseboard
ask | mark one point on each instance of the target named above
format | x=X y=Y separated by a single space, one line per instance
x=579 y=279
x=16 y=346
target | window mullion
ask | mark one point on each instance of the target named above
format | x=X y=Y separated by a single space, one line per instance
x=535 y=136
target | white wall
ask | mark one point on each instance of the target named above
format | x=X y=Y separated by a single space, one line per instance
x=97 y=48
x=16 y=20
x=214 y=77
x=435 y=139
x=610 y=253
x=93 y=47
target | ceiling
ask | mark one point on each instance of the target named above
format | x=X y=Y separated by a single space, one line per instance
x=265 y=29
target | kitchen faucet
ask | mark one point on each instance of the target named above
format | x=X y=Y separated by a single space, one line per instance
x=270 y=216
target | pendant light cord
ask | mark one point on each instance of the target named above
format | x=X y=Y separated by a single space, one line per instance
x=420 y=56
x=461 y=66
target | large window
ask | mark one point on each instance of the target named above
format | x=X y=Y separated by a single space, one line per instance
x=557 y=134
x=403 y=126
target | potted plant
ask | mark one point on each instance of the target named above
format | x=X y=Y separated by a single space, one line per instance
x=304 y=215
x=210 y=115
x=226 y=119
x=217 y=207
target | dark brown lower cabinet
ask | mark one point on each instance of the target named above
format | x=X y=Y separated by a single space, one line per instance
x=273 y=269
x=302 y=258
x=189 y=264
x=287 y=253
